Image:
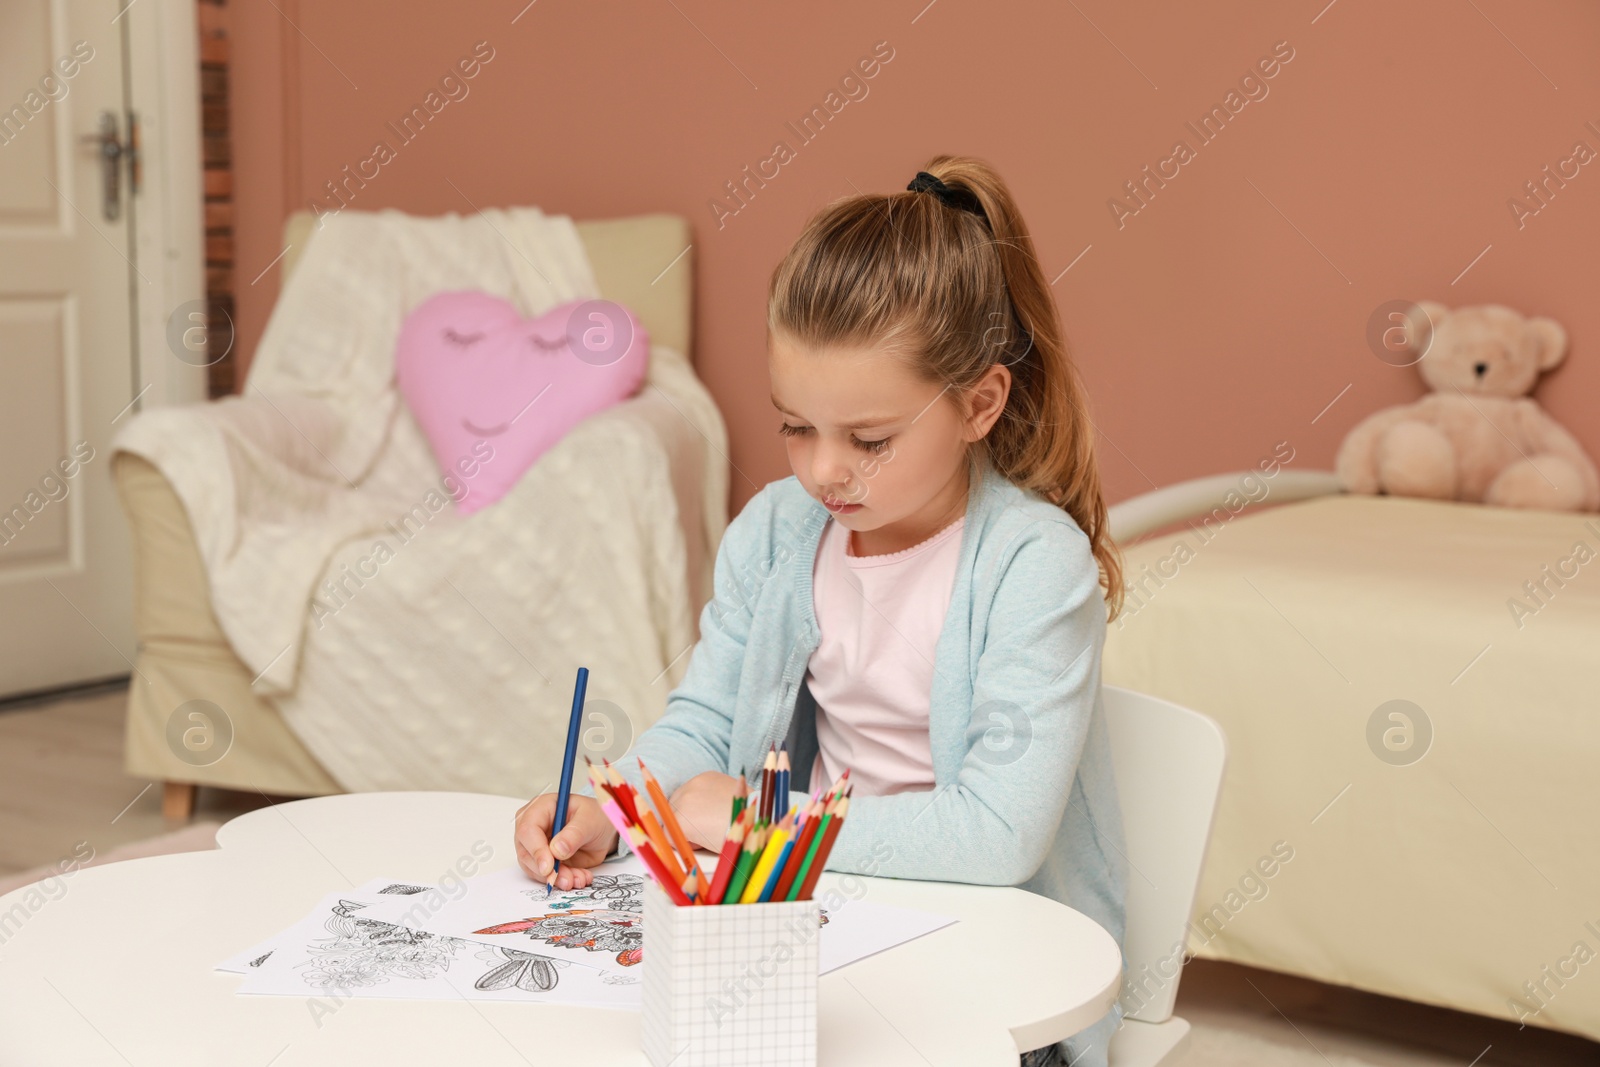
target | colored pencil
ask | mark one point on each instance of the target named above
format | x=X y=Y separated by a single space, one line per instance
x=601 y=793
x=802 y=845
x=747 y=862
x=658 y=838
x=825 y=837
x=792 y=832
x=763 y=871
x=741 y=795
x=673 y=889
x=669 y=820
x=623 y=792
x=769 y=770
x=780 y=784
x=761 y=859
x=691 y=885
x=618 y=819
x=728 y=859
x=829 y=809
x=568 y=760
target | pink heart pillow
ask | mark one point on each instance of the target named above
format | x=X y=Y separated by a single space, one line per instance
x=493 y=391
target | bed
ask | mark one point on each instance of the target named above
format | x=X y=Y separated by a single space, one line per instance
x=1409 y=690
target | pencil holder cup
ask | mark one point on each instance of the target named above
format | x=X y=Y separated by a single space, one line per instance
x=731 y=985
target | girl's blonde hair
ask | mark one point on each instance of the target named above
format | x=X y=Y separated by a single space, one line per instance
x=954 y=294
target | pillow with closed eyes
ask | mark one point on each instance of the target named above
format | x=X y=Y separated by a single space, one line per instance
x=493 y=391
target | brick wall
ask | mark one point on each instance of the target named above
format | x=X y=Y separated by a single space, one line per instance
x=217 y=158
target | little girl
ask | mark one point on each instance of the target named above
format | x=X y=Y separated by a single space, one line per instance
x=925 y=600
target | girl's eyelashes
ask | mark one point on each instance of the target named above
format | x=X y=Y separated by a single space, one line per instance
x=873 y=447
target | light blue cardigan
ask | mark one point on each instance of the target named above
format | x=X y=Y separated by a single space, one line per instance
x=1025 y=793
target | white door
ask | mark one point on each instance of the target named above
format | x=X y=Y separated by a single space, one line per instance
x=67 y=365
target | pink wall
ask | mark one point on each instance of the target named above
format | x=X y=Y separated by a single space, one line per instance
x=1220 y=319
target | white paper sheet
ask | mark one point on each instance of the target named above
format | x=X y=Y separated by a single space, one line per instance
x=860 y=928
x=338 y=951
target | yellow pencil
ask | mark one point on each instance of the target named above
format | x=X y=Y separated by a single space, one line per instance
x=769 y=859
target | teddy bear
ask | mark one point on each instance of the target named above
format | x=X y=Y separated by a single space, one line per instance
x=1477 y=437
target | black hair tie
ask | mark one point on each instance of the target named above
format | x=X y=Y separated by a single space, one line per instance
x=963 y=199
x=966 y=200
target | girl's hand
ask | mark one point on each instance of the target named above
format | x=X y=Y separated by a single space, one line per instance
x=583 y=843
x=702 y=805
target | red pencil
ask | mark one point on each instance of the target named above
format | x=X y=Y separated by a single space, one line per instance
x=602 y=792
x=769 y=771
x=797 y=854
x=729 y=858
x=823 y=849
x=623 y=791
x=641 y=846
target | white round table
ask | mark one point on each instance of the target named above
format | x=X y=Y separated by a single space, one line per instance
x=117 y=969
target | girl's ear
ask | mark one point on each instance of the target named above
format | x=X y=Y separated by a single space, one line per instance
x=986 y=399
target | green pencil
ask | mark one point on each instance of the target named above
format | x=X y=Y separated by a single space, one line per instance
x=805 y=866
x=753 y=843
x=739 y=797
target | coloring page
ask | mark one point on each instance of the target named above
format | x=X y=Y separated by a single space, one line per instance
x=377 y=889
x=598 y=926
x=338 y=952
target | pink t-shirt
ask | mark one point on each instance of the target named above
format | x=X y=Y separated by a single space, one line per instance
x=872 y=673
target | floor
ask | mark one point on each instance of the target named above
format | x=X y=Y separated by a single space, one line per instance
x=61 y=783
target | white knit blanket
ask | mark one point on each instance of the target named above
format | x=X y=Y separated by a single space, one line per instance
x=439 y=652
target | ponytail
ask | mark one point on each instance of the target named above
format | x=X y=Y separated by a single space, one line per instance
x=957 y=292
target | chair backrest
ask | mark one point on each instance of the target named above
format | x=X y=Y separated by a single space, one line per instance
x=641 y=261
x=1168 y=762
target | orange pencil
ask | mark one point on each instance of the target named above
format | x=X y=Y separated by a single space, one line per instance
x=823 y=848
x=658 y=838
x=669 y=819
x=663 y=877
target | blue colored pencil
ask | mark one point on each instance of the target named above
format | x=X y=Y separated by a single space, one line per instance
x=564 y=791
x=780 y=784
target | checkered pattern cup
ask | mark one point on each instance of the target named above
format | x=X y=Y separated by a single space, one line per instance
x=730 y=985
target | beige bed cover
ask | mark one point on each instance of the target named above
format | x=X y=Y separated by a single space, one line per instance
x=1468 y=877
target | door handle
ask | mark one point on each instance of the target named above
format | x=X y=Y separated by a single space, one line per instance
x=112 y=150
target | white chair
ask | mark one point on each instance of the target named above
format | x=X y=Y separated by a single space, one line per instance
x=1168 y=762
